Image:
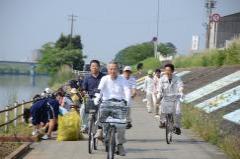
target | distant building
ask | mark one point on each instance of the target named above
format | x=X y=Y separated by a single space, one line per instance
x=224 y=31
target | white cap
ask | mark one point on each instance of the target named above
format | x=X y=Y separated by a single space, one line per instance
x=127 y=68
x=48 y=91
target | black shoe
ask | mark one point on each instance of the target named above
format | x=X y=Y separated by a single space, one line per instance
x=177 y=131
x=162 y=125
x=129 y=125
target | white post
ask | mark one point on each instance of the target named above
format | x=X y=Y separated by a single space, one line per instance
x=6 y=118
x=23 y=106
x=15 y=114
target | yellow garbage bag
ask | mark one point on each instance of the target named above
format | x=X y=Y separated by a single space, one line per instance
x=69 y=127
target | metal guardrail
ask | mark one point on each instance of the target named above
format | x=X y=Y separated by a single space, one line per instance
x=16 y=114
x=83 y=73
x=140 y=83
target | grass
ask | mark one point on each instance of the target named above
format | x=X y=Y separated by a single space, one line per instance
x=21 y=129
x=208 y=129
x=149 y=63
x=214 y=57
x=61 y=77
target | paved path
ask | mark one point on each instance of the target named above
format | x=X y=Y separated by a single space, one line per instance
x=145 y=141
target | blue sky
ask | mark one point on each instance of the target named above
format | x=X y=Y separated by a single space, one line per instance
x=106 y=26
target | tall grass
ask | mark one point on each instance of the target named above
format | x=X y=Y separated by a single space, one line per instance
x=214 y=57
x=209 y=129
x=62 y=76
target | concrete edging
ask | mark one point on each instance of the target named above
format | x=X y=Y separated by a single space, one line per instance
x=19 y=151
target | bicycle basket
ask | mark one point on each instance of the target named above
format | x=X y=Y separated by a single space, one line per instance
x=113 y=110
x=90 y=106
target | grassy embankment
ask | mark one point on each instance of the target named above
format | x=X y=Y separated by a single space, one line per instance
x=209 y=129
x=228 y=56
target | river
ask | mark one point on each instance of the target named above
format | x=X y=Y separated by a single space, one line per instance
x=20 y=87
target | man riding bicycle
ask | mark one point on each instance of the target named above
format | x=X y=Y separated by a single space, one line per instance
x=114 y=87
x=90 y=84
x=170 y=92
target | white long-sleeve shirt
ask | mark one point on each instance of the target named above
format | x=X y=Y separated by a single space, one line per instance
x=148 y=85
x=156 y=84
x=167 y=88
x=114 y=88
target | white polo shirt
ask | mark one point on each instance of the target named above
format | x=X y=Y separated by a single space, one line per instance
x=117 y=88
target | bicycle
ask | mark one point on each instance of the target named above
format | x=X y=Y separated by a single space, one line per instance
x=91 y=110
x=169 y=115
x=113 y=113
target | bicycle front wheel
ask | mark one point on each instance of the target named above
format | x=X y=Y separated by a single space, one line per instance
x=169 y=128
x=111 y=143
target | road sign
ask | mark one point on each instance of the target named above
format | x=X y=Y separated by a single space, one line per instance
x=216 y=17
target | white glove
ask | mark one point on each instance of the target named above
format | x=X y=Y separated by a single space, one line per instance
x=96 y=101
x=97 y=98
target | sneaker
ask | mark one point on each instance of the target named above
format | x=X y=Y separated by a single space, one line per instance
x=99 y=134
x=162 y=125
x=156 y=116
x=121 y=150
x=177 y=131
x=129 y=125
x=45 y=137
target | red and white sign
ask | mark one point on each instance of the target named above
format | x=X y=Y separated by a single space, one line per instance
x=216 y=17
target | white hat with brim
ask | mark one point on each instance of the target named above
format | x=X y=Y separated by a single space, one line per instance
x=127 y=68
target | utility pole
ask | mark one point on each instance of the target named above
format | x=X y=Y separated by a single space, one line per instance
x=158 y=14
x=209 y=5
x=155 y=39
x=72 y=18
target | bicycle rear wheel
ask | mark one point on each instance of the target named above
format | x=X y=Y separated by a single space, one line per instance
x=91 y=139
x=111 y=143
x=169 y=128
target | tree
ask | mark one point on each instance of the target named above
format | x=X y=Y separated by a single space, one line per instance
x=63 y=52
x=133 y=54
x=66 y=41
x=167 y=49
